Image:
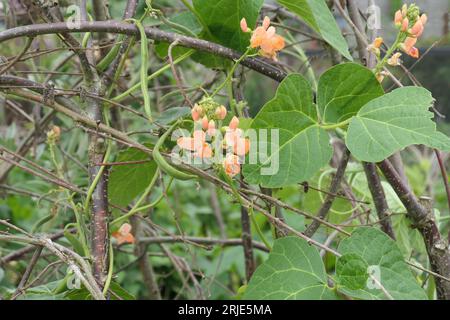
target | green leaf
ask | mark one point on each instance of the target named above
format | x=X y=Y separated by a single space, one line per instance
x=294 y=270
x=392 y=122
x=75 y=242
x=381 y=252
x=223 y=17
x=115 y=290
x=126 y=182
x=303 y=147
x=318 y=16
x=351 y=270
x=344 y=89
x=187 y=20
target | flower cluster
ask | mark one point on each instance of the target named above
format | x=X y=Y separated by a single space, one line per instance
x=205 y=114
x=411 y=24
x=265 y=38
x=54 y=134
x=123 y=235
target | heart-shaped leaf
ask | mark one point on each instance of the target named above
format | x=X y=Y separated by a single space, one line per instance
x=318 y=16
x=303 y=147
x=344 y=89
x=392 y=122
x=293 y=271
x=127 y=181
x=386 y=262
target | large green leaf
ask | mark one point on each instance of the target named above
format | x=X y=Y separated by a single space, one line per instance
x=293 y=271
x=381 y=252
x=344 y=89
x=126 y=182
x=223 y=16
x=392 y=122
x=303 y=147
x=318 y=16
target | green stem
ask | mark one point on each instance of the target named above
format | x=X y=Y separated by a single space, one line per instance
x=230 y=74
x=81 y=227
x=239 y=199
x=400 y=38
x=258 y=229
x=152 y=76
x=94 y=183
x=136 y=207
x=336 y=125
x=110 y=269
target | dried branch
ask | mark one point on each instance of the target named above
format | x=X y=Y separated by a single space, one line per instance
x=260 y=65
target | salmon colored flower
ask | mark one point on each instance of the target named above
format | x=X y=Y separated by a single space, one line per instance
x=265 y=38
x=231 y=165
x=414 y=52
x=194 y=143
x=211 y=128
x=234 y=123
x=196 y=112
x=123 y=235
x=232 y=136
x=241 y=147
x=408 y=47
x=378 y=42
x=205 y=123
x=405 y=25
x=375 y=46
x=204 y=151
x=195 y=115
x=417 y=29
x=221 y=112
x=244 y=26
x=395 y=59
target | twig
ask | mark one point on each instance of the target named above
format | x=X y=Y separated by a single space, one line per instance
x=334 y=188
x=260 y=65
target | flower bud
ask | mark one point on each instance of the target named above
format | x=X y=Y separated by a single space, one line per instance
x=424 y=19
x=398 y=18
x=234 y=123
x=405 y=25
x=244 y=26
x=404 y=10
x=205 y=123
x=211 y=128
x=266 y=22
x=221 y=112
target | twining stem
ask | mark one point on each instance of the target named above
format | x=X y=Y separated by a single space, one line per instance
x=78 y=216
x=231 y=72
x=155 y=74
x=258 y=229
x=136 y=208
